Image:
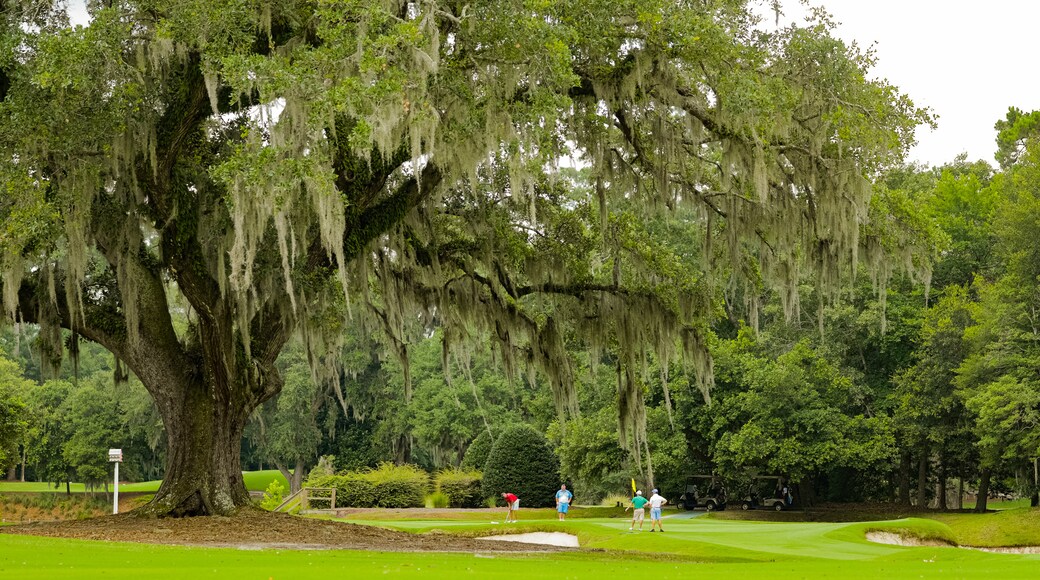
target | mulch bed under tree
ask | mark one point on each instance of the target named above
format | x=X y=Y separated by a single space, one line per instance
x=260 y=530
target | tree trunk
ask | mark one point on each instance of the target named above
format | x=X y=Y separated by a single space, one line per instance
x=983 y=496
x=960 y=493
x=24 y=458
x=286 y=474
x=296 y=483
x=295 y=478
x=807 y=492
x=203 y=461
x=940 y=488
x=403 y=449
x=12 y=473
x=1034 y=498
x=904 y=477
x=922 y=480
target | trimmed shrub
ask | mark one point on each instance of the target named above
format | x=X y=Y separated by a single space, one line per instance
x=462 y=487
x=399 y=486
x=477 y=452
x=522 y=462
x=389 y=486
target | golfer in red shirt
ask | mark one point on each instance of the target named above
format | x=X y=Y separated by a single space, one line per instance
x=513 y=503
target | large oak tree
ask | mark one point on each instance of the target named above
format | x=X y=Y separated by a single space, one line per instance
x=257 y=167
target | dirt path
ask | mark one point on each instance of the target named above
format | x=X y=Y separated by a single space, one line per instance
x=258 y=531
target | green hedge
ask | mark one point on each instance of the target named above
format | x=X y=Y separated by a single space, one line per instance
x=522 y=462
x=461 y=486
x=478 y=451
x=387 y=486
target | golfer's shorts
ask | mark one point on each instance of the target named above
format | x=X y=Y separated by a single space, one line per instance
x=655 y=513
x=516 y=505
x=637 y=515
x=562 y=507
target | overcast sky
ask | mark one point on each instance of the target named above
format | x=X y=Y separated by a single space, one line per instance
x=967 y=61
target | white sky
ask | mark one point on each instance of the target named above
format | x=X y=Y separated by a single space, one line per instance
x=966 y=60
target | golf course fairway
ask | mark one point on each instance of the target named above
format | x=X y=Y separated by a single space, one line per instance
x=700 y=548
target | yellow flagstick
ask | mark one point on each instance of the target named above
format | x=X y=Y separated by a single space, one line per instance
x=633 y=486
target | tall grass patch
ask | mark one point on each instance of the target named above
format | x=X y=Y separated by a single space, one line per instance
x=614 y=500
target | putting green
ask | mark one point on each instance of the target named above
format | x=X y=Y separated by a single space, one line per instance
x=699 y=548
x=701 y=538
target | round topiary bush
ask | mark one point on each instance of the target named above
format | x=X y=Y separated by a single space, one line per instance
x=522 y=462
x=478 y=451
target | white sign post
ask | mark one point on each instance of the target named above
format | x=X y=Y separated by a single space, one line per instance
x=115 y=456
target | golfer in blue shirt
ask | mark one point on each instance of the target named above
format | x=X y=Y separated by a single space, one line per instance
x=563 y=501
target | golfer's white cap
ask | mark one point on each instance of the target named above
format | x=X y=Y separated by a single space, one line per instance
x=640 y=492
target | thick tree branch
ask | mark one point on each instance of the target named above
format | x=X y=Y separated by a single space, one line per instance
x=5 y=84
x=381 y=217
x=173 y=205
x=139 y=276
x=272 y=330
x=104 y=324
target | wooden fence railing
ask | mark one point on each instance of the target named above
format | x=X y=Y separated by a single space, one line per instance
x=325 y=496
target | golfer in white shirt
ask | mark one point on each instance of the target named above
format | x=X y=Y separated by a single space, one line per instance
x=656 y=501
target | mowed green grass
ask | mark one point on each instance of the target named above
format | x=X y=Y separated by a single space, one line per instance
x=1011 y=527
x=1001 y=505
x=38 y=487
x=255 y=481
x=761 y=553
x=698 y=547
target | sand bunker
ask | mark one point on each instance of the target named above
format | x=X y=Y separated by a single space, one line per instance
x=898 y=540
x=558 y=539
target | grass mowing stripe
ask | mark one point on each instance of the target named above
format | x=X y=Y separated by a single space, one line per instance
x=31 y=558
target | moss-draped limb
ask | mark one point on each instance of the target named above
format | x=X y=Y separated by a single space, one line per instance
x=100 y=323
x=175 y=208
x=387 y=213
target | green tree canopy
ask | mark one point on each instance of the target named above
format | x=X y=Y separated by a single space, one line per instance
x=999 y=380
x=1014 y=132
x=13 y=421
x=796 y=416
